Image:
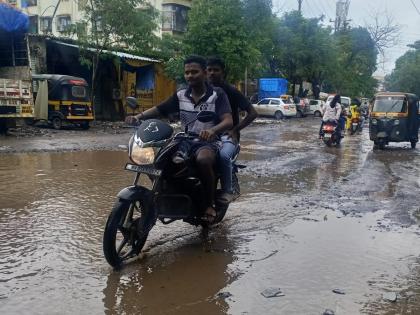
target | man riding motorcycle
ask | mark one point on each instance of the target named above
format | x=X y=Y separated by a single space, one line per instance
x=216 y=72
x=188 y=102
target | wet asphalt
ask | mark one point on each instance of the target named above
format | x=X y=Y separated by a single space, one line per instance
x=319 y=228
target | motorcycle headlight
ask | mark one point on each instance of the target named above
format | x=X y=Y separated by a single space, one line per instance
x=374 y=121
x=141 y=156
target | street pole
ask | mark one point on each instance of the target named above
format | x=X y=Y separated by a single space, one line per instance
x=300 y=6
x=246 y=82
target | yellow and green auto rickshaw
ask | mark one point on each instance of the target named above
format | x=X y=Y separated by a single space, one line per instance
x=394 y=117
x=62 y=99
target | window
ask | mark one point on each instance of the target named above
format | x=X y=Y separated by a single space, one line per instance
x=275 y=102
x=46 y=24
x=78 y=91
x=29 y=3
x=13 y=50
x=63 y=22
x=265 y=101
x=33 y=24
x=12 y=2
x=174 y=17
x=313 y=102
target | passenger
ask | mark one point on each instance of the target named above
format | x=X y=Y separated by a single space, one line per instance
x=188 y=102
x=332 y=111
x=216 y=73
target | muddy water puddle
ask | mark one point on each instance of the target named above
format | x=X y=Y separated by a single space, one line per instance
x=310 y=219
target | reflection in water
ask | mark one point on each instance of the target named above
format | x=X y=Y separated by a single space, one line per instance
x=52 y=214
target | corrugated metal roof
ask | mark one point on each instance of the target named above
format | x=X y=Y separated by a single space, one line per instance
x=115 y=53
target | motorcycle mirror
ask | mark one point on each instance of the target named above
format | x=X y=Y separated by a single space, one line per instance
x=206 y=116
x=131 y=102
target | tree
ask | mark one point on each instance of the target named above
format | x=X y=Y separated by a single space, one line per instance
x=114 y=24
x=384 y=31
x=217 y=27
x=406 y=75
x=354 y=64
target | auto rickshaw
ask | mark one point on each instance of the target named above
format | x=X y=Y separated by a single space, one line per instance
x=394 y=117
x=62 y=98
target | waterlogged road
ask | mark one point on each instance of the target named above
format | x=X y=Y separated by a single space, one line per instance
x=310 y=220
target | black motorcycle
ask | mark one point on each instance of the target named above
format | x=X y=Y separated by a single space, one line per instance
x=176 y=192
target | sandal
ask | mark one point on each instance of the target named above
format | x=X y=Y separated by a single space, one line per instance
x=209 y=217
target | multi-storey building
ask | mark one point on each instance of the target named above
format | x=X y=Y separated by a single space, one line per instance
x=54 y=16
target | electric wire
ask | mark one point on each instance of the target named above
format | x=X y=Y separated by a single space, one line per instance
x=414 y=5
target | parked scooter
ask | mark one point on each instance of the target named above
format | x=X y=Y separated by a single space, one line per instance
x=176 y=192
x=330 y=135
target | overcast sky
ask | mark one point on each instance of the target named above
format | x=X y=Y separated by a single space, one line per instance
x=360 y=11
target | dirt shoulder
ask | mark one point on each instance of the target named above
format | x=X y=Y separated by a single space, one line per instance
x=101 y=136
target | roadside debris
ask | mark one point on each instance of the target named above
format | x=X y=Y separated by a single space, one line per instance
x=339 y=291
x=272 y=292
x=390 y=296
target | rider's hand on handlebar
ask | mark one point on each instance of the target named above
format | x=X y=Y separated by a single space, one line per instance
x=207 y=135
x=131 y=120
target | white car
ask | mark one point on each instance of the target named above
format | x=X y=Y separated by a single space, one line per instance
x=275 y=107
x=315 y=107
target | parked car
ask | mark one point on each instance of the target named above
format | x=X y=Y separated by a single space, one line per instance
x=275 y=107
x=302 y=104
x=315 y=107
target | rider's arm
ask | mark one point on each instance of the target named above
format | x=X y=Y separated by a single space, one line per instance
x=224 y=111
x=244 y=104
x=225 y=124
x=170 y=105
x=148 y=114
x=338 y=112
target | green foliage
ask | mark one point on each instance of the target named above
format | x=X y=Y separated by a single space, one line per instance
x=217 y=27
x=354 y=64
x=406 y=75
x=108 y=24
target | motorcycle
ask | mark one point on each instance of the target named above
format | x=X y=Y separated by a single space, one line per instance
x=330 y=135
x=356 y=125
x=176 y=192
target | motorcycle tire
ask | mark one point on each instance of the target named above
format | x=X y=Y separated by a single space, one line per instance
x=132 y=236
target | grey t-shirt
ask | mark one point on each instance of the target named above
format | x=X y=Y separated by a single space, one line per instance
x=214 y=100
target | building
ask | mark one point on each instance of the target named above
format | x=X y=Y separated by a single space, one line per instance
x=54 y=16
x=174 y=15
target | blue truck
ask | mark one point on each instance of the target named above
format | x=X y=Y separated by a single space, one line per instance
x=271 y=87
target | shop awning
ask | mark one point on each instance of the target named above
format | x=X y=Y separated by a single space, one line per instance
x=111 y=52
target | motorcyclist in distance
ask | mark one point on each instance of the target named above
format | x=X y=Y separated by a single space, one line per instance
x=332 y=111
x=216 y=73
x=188 y=103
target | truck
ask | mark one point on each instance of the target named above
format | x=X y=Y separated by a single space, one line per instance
x=271 y=87
x=16 y=98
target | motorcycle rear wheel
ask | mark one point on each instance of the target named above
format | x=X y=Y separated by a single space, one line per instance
x=125 y=232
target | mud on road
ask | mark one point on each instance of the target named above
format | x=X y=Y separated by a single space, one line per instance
x=312 y=221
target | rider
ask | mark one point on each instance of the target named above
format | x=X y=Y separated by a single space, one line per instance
x=332 y=111
x=216 y=73
x=354 y=112
x=188 y=102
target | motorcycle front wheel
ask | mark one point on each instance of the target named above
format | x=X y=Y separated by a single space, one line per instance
x=125 y=232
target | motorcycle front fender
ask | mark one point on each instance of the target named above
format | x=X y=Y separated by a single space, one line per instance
x=133 y=193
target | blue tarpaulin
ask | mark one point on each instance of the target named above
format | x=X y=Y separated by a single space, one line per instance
x=12 y=20
x=272 y=87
